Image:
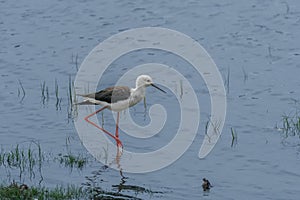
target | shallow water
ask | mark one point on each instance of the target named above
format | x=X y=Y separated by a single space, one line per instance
x=257 y=41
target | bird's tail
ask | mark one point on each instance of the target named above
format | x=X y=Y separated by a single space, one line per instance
x=86 y=102
x=83 y=95
x=89 y=99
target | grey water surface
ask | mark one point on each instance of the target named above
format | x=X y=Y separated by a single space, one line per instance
x=255 y=45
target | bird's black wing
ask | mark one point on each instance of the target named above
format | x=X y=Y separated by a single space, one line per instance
x=111 y=94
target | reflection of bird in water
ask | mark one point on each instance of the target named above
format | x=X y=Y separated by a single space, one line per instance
x=206 y=185
x=118 y=98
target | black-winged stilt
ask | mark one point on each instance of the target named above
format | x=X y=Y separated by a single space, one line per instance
x=117 y=98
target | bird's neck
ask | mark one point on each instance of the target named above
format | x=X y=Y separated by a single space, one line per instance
x=139 y=91
x=137 y=94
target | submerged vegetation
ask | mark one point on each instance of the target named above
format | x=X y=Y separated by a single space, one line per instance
x=291 y=124
x=72 y=100
x=25 y=192
x=31 y=160
x=26 y=161
x=290 y=128
x=22 y=191
x=24 y=164
x=234 y=137
x=72 y=161
x=22 y=96
x=58 y=99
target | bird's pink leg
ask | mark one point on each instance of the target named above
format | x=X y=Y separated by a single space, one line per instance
x=119 y=143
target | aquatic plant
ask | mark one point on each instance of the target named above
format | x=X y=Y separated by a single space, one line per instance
x=72 y=100
x=181 y=88
x=58 y=99
x=234 y=137
x=291 y=124
x=74 y=60
x=22 y=191
x=245 y=75
x=23 y=159
x=228 y=80
x=23 y=91
x=44 y=92
x=70 y=91
x=72 y=161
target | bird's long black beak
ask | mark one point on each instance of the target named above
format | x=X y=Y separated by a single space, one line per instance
x=158 y=88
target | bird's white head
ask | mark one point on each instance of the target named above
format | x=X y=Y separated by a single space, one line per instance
x=145 y=81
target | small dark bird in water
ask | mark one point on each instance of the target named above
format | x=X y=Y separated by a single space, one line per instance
x=23 y=187
x=206 y=185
